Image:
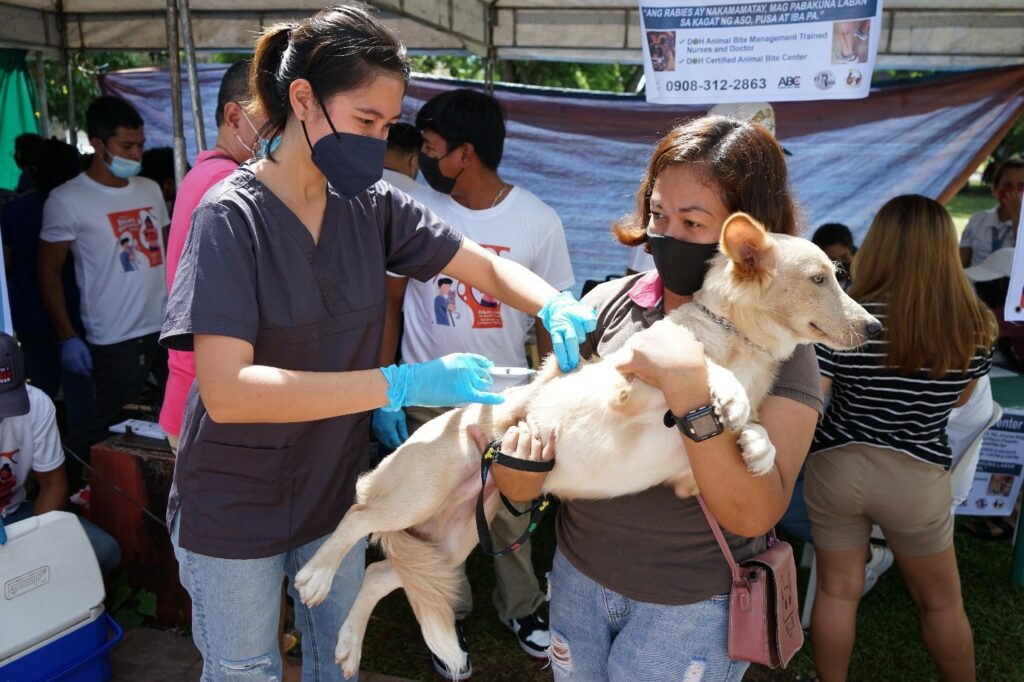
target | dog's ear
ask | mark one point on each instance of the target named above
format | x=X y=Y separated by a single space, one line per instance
x=748 y=246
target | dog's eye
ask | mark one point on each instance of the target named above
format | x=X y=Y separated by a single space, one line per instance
x=818 y=279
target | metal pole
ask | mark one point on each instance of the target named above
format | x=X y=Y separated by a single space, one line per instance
x=62 y=27
x=193 y=76
x=490 y=19
x=44 y=109
x=175 y=66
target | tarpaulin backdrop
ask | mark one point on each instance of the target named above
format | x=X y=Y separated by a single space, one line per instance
x=17 y=111
x=585 y=154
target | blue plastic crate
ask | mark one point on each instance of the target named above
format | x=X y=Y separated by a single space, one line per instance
x=81 y=655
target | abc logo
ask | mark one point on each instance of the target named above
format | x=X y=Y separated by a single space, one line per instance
x=789 y=82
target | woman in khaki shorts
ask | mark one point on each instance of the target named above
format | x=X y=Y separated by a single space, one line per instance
x=880 y=454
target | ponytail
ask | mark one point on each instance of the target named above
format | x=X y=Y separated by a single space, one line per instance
x=264 y=84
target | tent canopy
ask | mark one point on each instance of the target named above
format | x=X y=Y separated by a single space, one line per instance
x=918 y=34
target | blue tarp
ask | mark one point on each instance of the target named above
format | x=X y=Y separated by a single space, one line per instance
x=584 y=154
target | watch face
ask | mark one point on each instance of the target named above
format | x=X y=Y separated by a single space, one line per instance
x=705 y=426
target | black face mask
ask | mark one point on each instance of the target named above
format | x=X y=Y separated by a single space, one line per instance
x=438 y=181
x=351 y=163
x=681 y=265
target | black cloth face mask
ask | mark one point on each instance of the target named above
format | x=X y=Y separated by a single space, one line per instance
x=431 y=169
x=681 y=265
x=351 y=163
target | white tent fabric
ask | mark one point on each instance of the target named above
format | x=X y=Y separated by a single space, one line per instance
x=922 y=34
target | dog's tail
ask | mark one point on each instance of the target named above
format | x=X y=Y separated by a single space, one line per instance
x=431 y=585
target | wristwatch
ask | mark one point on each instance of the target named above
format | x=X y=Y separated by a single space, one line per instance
x=697 y=425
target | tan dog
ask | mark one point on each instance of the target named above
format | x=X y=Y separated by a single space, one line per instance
x=777 y=291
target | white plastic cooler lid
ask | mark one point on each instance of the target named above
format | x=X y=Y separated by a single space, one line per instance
x=49 y=581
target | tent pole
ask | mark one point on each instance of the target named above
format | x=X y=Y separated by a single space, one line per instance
x=44 y=109
x=193 y=76
x=175 y=66
x=65 y=56
x=490 y=18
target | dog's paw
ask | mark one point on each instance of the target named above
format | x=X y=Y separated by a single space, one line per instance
x=730 y=397
x=758 y=451
x=348 y=652
x=314 y=582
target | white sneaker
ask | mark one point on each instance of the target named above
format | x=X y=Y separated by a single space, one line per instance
x=880 y=562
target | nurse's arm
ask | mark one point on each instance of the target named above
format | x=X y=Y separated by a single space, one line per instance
x=504 y=279
x=234 y=390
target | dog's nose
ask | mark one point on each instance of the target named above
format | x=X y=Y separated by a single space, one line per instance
x=873 y=327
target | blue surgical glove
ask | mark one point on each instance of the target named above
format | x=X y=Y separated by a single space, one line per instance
x=3 y=533
x=568 y=321
x=390 y=428
x=75 y=357
x=451 y=380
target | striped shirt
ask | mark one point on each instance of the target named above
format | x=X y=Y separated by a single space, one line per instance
x=880 y=406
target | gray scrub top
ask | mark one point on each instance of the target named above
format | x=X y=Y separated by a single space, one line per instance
x=251 y=270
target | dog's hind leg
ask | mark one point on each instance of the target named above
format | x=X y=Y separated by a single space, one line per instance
x=379 y=581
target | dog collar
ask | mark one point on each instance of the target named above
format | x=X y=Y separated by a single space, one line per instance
x=730 y=327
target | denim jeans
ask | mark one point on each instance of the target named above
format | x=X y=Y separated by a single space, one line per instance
x=599 y=635
x=108 y=552
x=42 y=362
x=236 y=606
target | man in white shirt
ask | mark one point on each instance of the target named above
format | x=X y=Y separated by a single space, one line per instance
x=30 y=444
x=996 y=228
x=113 y=223
x=402 y=162
x=464 y=135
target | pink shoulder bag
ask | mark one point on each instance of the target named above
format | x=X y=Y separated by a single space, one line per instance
x=764 y=620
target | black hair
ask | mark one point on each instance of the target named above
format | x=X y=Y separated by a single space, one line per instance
x=158 y=164
x=107 y=113
x=1005 y=166
x=404 y=137
x=464 y=115
x=234 y=87
x=26 y=149
x=58 y=163
x=337 y=50
x=124 y=240
x=833 y=233
x=444 y=280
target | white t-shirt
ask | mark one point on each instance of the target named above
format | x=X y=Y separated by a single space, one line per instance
x=444 y=315
x=27 y=443
x=985 y=233
x=116 y=236
x=402 y=181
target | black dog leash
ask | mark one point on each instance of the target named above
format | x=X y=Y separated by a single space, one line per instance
x=536 y=511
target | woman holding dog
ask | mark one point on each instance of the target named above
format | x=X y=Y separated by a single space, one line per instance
x=881 y=454
x=281 y=294
x=639 y=588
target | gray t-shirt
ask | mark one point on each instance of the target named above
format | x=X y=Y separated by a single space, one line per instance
x=652 y=546
x=252 y=271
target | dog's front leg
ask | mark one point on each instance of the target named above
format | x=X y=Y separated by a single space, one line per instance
x=758 y=451
x=729 y=396
x=379 y=581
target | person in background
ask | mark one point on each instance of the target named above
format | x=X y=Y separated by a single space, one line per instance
x=881 y=454
x=996 y=228
x=237 y=141
x=30 y=444
x=463 y=142
x=158 y=166
x=402 y=162
x=26 y=152
x=58 y=162
x=836 y=240
x=122 y=309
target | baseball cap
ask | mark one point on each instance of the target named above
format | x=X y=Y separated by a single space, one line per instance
x=998 y=264
x=753 y=112
x=13 y=394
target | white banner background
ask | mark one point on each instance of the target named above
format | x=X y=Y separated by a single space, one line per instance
x=705 y=52
x=997 y=481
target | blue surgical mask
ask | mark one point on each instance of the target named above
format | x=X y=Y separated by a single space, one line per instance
x=122 y=167
x=351 y=163
x=268 y=147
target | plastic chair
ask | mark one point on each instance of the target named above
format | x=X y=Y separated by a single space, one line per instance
x=958 y=474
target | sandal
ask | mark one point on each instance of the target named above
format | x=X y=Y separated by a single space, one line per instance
x=991 y=528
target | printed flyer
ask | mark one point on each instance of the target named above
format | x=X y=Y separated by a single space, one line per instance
x=997 y=480
x=703 y=52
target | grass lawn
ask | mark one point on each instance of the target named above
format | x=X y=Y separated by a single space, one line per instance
x=970 y=199
x=888 y=641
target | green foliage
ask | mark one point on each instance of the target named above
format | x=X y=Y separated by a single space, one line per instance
x=131 y=607
x=84 y=68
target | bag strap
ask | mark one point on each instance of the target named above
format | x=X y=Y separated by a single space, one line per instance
x=737 y=579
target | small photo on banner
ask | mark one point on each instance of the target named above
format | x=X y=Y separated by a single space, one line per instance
x=706 y=52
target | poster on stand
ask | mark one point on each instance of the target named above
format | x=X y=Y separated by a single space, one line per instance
x=705 y=52
x=997 y=480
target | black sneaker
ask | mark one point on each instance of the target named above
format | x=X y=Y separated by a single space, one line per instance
x=467 y=667
x=531 y=633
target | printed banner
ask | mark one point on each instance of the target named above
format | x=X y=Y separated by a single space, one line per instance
x=702 y=52
x=998 y=478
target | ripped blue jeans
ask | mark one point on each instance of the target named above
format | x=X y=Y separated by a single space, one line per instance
x=236 y=604
x=598 y=635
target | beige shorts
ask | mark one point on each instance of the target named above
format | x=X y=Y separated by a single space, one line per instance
x=852 y=486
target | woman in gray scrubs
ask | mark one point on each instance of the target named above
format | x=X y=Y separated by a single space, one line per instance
x=281 y=294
